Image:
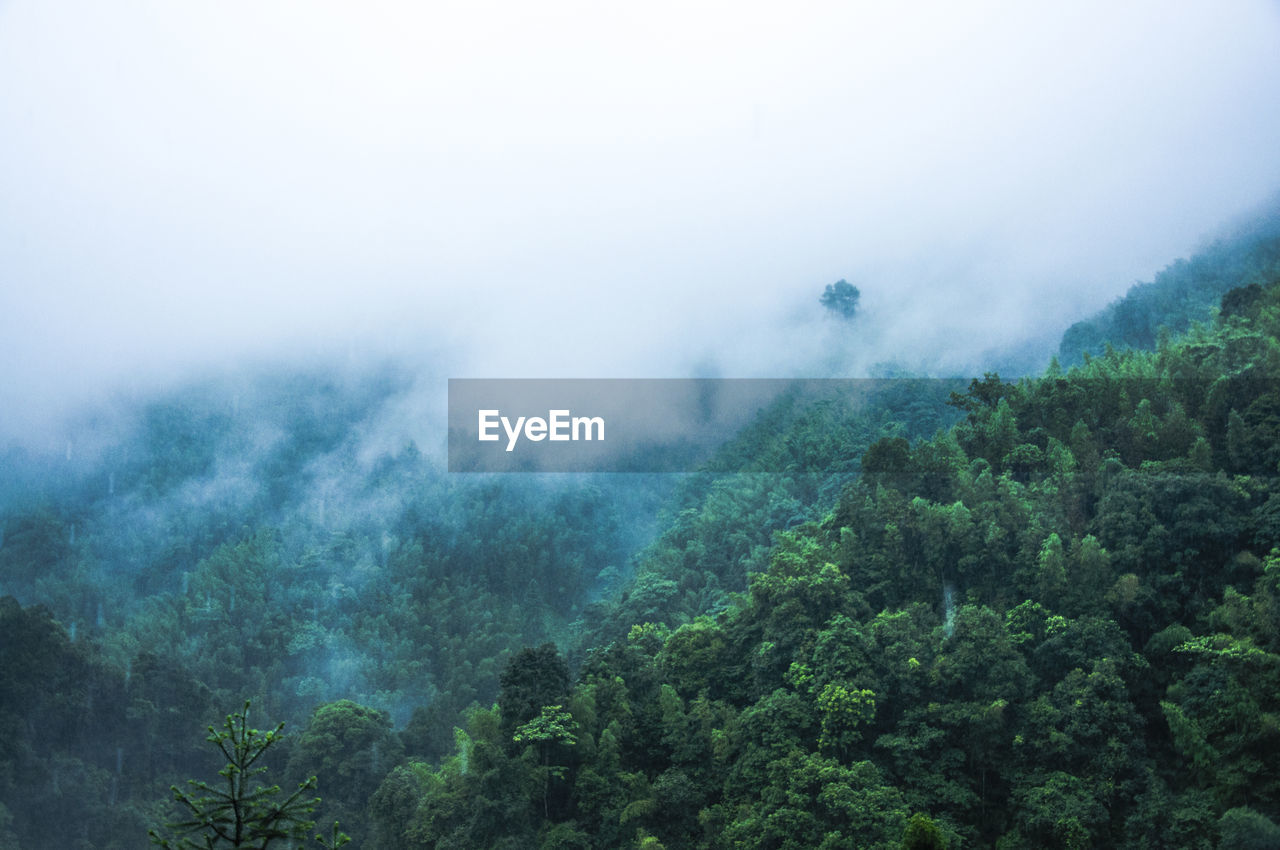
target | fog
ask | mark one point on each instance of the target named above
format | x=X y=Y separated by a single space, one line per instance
x=594 y=190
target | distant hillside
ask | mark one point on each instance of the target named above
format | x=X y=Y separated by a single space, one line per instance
x=1184 y=292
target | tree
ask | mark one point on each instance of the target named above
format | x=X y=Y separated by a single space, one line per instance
x=393 y=806
x=349 y=746
x=1245 y=829
x=1052 y=572
x=532 y=679
x=923 y=834
x=554 y=726
x=843 y=710
x=841 y=298
x=809 y=800
x=246 y=814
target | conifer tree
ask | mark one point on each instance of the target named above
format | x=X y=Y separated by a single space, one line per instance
x=243 y=812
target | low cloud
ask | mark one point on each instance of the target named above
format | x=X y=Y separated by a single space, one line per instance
x=577 y=190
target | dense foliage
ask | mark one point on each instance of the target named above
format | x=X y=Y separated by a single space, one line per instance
x=258 y=538
x=1056 y=624
x=1034 y=614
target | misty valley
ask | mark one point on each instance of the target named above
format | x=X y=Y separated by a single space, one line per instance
x=1037 y=612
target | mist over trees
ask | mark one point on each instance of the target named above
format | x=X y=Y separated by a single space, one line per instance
x=1183 y=293
x=1014 y=613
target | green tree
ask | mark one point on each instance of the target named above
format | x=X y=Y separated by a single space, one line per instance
x=1059 y=811
x=841 y=298
x=351 y=747
x=553 y=727
x=245 y=813
x=810 y=801
x=842 y=711
x=1244 y=829
x=1052 y=572
x=393 y=805
x=923 y=834
x=532 y=679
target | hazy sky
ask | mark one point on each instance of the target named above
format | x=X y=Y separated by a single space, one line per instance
x=600 y=188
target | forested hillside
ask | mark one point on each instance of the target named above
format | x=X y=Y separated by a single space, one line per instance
x=1042 y=613
x=1052 y=625
x=254 y=538
x=1184 y=292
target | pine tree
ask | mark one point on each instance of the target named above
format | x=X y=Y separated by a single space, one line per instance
x=244 y=813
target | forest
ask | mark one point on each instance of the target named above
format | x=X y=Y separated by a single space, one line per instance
x=1040 y=612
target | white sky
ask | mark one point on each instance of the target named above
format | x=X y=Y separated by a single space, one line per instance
x=599 y=188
